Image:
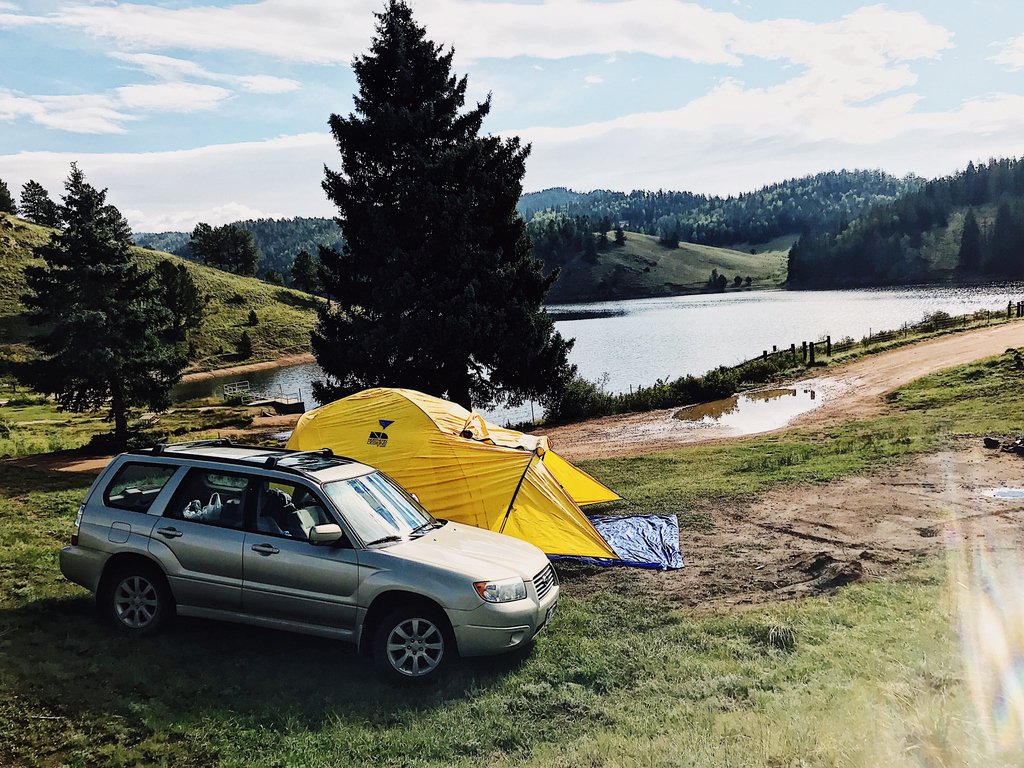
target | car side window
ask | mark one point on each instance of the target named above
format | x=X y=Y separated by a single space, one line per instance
x=214 y=498
x=136 y=485
x=288 y=510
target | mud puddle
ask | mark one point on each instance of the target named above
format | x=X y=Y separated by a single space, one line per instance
x=1005 y=493
x=753 y=412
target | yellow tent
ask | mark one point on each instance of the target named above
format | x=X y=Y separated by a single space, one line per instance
x=463 y=468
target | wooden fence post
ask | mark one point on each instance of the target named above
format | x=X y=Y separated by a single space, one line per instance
x=1009 y=309
x=828 y=346
x=792 y=351
x=811 y=350
x=805 y=350
x=764 y=355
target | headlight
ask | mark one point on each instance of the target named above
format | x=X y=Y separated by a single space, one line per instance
x=504 y=591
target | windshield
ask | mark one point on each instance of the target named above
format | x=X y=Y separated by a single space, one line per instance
x=377 y=509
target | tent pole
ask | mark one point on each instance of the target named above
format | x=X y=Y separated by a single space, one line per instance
x=515 y=493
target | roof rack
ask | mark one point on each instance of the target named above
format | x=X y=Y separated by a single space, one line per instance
x=165 y=447
x=327 y=453
x=271 y=462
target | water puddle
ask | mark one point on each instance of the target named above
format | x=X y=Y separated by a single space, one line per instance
x=1005 y=493
x=753 y=412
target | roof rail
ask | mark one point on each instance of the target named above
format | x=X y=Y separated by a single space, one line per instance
x=165 y=447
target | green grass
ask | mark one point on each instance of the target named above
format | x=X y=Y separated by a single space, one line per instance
x=285 y=316
x=642 y=267
x=873 y=678
x=26 y=430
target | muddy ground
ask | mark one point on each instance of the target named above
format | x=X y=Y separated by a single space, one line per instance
x=811 y=538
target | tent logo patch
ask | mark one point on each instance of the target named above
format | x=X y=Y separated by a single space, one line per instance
x=380 y=439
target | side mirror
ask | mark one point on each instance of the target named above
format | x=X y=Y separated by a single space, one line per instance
x=329 y=533
x=416 y=499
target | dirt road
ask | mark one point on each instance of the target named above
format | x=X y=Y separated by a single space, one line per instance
x=855 y=390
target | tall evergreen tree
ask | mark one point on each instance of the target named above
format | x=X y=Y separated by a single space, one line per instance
x=182 y=297
x=37 y=206
x=435 y=286
x=7 y=204
x=305 y=273
x=620 y=235
x=969 y=259
x=227 y=247
x=105 y=338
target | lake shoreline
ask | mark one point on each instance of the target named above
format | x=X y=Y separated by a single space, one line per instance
x=284 y=361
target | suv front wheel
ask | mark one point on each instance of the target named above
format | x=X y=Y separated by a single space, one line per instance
x=413 y=644
x=137 y=600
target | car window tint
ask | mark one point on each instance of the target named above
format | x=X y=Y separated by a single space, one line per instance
x=213 y=498
x=136 y=486
x=288 y=510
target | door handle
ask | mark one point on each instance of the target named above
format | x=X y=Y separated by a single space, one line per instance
x=265 y=549
x=170 y=533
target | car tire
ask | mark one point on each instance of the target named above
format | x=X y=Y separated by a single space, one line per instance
x=136 y=599
x=413 y=645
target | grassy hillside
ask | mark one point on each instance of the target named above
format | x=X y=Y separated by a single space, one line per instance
x=285 y=316
x=643 y=268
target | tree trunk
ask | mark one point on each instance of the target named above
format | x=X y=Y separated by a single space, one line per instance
x=119 y=411
x=458 y=385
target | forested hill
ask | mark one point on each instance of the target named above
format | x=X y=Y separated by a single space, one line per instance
x=822 y=201
x=966 y=227
x=278 y=240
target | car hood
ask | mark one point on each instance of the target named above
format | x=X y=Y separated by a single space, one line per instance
x=474 y=552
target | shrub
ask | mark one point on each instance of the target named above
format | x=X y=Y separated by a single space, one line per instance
x=244 y=346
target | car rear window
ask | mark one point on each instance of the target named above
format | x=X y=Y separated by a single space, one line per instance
x=136 y=486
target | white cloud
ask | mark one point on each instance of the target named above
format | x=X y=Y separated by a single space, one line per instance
x=593 y=79
x=215 y=184
x=1011 y=54
x=87 y=113
x=312 y=31
x=168 y=68
x=171 y=97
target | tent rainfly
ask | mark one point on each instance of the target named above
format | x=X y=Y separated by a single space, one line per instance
x=463 y=468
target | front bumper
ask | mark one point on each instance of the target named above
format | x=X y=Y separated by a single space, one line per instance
x=494 y=628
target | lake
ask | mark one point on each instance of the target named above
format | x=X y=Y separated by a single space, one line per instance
x=635 y=342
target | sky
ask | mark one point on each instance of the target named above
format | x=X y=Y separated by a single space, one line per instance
x=217 y=111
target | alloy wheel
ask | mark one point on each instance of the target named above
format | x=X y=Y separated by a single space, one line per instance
x=136 y=602
x=415 y=647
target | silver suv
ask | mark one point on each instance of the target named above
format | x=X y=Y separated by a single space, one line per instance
x=305 y=541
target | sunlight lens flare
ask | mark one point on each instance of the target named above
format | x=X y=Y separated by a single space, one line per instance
x=988 y=587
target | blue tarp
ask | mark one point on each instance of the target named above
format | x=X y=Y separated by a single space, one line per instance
x=641 y=541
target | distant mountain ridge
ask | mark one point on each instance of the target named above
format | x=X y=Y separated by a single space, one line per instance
x=823 y=200
x=919 y=237
x=278 y=240
x=745 y=222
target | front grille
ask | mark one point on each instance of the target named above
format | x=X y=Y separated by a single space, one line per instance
x=544 y=581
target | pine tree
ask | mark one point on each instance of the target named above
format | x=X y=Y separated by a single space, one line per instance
x=182 y=297
x=105 y=338
x=969 y=258
x=435 y=286
x=226 y=247
x=7 y=204
x=37 y=206
x=305 y=274
x=620 y=235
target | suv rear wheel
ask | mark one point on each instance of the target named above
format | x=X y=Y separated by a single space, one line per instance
x=413 y=644
x=137 y=600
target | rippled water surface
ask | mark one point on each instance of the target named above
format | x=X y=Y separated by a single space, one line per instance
x=626 y=343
